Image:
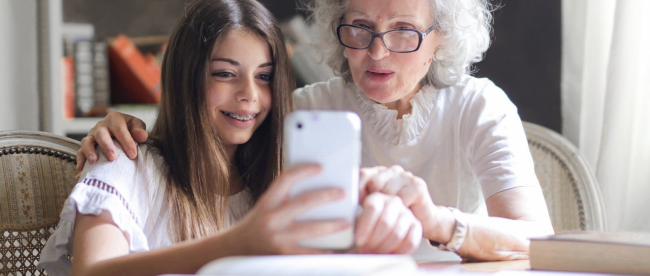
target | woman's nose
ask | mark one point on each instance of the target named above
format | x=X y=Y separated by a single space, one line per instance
x=377 y=49
x=248 y=91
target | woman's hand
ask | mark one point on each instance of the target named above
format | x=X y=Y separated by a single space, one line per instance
x=270 y=227
x=386 y=226
x=125 y=128
x=413 y=192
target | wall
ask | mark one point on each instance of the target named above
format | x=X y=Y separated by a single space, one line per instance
x=525 y=58
x=19 y=105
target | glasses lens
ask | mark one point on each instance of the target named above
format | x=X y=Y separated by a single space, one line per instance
x=355 y=37
x=402 y=40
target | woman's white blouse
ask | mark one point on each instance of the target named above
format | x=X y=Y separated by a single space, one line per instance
x=466 y=141
x=133 y=192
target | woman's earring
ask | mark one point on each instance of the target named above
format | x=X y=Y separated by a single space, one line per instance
x=439 y=55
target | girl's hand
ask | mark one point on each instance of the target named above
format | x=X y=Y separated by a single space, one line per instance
x=270 y=227
x=412 y=191
x=386 y=226
x=125 y=128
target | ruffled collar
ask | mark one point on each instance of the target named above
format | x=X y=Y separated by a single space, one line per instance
x=399 y=131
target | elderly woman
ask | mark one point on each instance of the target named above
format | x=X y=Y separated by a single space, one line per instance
x=444 y=137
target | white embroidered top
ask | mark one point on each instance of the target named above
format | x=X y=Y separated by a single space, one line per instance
x=466 y=141
x=133 y=191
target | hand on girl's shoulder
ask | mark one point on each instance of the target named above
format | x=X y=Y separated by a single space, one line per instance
x=122 y=162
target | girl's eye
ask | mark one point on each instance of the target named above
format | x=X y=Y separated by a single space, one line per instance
x=222 y=74
x=265 y=77
x=403 y=28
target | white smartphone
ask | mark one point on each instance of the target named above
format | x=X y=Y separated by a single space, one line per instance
x=333 y=140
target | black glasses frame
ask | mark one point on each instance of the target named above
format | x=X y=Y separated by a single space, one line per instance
x=421 y=36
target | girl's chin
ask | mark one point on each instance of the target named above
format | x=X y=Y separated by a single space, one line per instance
x=236 y=140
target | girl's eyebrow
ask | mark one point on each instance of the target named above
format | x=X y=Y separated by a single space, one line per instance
x=226 y=60
x=235 y=63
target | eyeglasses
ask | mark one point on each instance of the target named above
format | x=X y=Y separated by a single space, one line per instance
x=399 y=40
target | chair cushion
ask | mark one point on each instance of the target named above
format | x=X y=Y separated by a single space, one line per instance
x=34 y=184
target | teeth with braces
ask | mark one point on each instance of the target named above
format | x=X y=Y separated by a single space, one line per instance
x=239 y=117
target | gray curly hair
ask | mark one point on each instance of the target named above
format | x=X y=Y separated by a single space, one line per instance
x=465 y=27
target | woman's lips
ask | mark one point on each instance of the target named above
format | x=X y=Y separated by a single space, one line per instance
x=378 y=75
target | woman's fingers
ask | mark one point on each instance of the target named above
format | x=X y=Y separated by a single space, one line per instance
x=397 y=235
x=378 y=181
x=409 y=194
x=81 y=160
x=372 y=209
x=298 y=205
x=102 y=137
x=137 y=128
x=87 y=151
x=385 y=225
x=117 y=125
x=412 y=240
x=279 y=189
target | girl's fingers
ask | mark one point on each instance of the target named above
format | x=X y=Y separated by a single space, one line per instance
x=279 y=189
x=311 y=229
x=298 y=205
x=299 y=250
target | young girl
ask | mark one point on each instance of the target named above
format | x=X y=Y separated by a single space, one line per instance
x=214 y=152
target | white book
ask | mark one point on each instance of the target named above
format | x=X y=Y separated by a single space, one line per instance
x=334 y=264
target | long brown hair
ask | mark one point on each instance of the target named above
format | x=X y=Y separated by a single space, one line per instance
x=197 y=168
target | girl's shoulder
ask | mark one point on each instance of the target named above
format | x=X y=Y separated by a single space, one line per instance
x=144 y=169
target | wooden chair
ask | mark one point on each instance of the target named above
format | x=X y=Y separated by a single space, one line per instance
x=37 y=173
x=570 y=188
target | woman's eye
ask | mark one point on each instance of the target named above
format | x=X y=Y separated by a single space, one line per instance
x=265 y=77
x=362 y=25
x=222 y=74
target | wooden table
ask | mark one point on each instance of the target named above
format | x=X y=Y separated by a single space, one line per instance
x=505 y=268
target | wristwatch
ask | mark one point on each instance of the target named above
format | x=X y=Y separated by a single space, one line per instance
x=460 y=231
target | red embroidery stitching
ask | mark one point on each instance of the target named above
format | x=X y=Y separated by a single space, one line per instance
x=110 y=189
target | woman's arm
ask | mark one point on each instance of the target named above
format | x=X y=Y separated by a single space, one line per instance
x=515 y=215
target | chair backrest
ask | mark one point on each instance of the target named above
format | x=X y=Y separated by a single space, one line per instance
x=570 y=188
x=37 y=173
